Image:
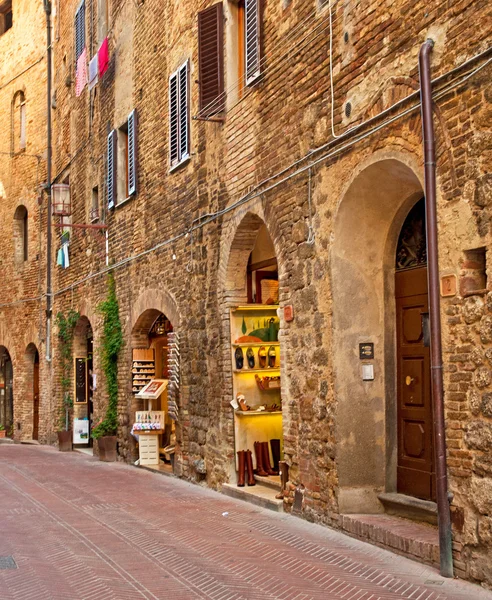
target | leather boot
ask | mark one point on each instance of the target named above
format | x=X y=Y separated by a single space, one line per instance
x=260 y=471
x=275 y=446
x=249 y=465
x=266 y=458
x=241 y=459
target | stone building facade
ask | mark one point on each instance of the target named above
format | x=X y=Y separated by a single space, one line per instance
x=330 y=168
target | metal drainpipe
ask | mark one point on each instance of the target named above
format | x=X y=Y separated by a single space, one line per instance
x=47 y=10
x=443 y=508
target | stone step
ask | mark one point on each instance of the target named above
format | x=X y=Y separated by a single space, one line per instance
x=273 y=482
x=418 y=541
x=409 y=507
x=260 y=495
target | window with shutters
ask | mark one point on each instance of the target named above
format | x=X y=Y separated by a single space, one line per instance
x=211 y=60
x=6 y=16
x=179 y=116
x=252 y=23
x=79 y=30
x=121 y=181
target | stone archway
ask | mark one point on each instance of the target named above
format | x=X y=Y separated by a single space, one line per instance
x=83 y=353
x=366 y=230
x=239 y=239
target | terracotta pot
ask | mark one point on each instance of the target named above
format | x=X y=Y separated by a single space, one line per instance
x=107 y=448
x=3 y=433
x=64 y=441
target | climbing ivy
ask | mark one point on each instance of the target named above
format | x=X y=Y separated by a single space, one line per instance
x=111 y=342
x=66 y=325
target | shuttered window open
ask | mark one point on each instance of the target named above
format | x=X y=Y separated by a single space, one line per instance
x=132 y=153
x=111 y=169
x=79 y=30
x=252 y=30
x=179 y=115
x=211 y=59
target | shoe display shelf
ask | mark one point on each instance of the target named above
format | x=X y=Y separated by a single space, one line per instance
x=250 y=321
x=143 y=368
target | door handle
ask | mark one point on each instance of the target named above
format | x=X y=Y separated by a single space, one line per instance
x=409 y=380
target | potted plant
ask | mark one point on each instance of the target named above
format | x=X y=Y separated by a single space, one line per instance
x=66 y=325
x=2 y=431
x=111 y=341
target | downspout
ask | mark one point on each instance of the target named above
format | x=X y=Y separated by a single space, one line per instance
x=443 y=508
x=47 y=10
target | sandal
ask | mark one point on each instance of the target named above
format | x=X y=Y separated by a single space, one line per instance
x=272 y=357
x=262 y=357
x=250 y=355
x=238 y=355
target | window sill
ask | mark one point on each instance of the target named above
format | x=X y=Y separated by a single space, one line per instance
x=183 y=162
x=123 y=202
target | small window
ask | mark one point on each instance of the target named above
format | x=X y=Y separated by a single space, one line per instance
x=473 y=279
x=179 y=116
x=79 y=31
x=21 y=235
x=94 y=214
x=6 y=16
x=122 y=162
x=19 y=122
x=252 y=23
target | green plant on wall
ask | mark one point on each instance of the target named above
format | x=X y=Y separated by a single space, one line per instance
x=66 y=325
x=111 y=342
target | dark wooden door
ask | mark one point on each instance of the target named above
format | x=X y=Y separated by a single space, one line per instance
x=415 y=472
x=35 y=408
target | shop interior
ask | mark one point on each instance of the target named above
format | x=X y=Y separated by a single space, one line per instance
x=154 y=428
x=255 y=355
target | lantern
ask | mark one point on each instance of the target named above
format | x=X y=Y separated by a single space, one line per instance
x=60 y=198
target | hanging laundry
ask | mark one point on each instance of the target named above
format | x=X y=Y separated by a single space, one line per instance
x=66 y=259
x=103 y=56
x=93 y=71
x=59 y=257
x=81 y=75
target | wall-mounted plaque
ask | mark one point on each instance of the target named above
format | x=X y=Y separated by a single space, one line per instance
x=81 y=387
x=366 y=351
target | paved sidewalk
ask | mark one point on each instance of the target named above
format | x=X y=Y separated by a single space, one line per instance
x=79 y=529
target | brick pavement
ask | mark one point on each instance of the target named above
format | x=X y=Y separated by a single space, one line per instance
x=80 y=529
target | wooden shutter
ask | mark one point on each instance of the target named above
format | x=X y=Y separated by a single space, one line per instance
x=252 y=30
x=173 y=119
x=184 y=116
x=211 y=59
x=132 y=153
x=111 y=169
x=79 y=31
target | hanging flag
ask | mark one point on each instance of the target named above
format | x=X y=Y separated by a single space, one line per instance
x=103 y=56
x=81 y=75
x=93 y=71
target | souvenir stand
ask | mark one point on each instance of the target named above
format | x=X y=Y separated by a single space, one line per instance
x=150 y=424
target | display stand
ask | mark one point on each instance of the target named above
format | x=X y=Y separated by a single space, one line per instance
x=143 y=368
x=260 y=385
x=150 y=424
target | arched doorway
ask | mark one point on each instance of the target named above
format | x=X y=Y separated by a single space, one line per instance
x=6 y=392
x=251 y=294
x=415 y=469
x=84 y=382
x=152 y=338
x=32 y=391
x=366 y=231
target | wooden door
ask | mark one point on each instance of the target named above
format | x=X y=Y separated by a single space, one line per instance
x=35 y=408
x=415 y=471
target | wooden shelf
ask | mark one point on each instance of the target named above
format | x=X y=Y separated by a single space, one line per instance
x=255 y=413
x=265 y=371
x=255 y=344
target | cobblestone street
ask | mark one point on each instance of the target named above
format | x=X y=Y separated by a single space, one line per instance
x=80 y=529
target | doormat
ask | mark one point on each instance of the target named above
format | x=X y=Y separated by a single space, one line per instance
x=7 y=562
